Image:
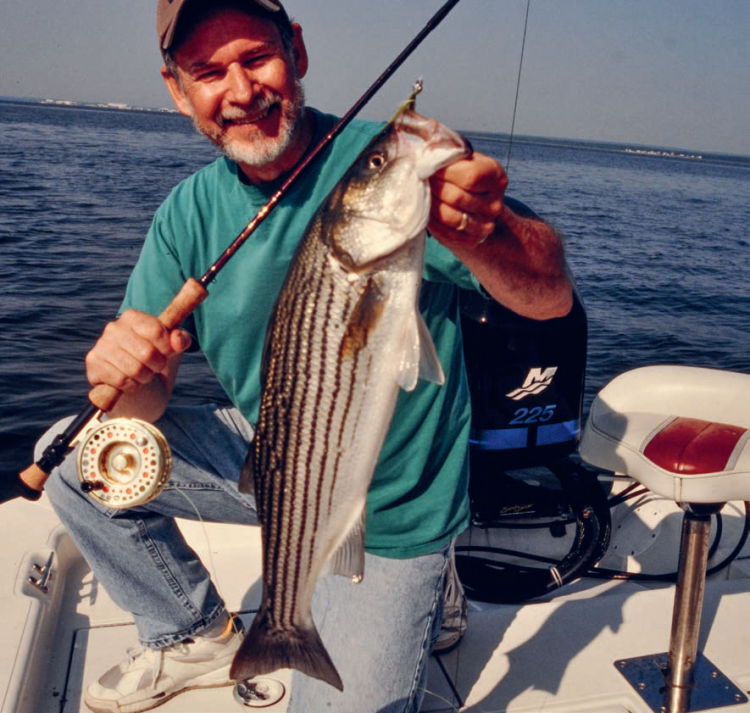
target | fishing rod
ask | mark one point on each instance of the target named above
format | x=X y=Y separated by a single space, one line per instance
x=30 y=482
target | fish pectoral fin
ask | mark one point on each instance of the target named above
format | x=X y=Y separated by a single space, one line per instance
x=429 y=362
x=247 y=474
x=349 y=558
x=419 y=357
x=363 y=320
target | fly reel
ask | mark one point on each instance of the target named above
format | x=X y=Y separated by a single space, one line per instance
x=123 y=462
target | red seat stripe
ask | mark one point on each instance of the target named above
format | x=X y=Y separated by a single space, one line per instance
x=690 y=445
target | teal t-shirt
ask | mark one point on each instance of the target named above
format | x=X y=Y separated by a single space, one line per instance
x=418 y=498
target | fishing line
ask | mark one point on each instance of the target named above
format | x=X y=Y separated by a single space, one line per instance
x=213 y=570
x=442 y=699
x=518 y=86
x=212 y=567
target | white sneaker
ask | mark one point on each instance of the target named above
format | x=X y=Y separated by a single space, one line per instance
x=455 y=611
x=150 y=677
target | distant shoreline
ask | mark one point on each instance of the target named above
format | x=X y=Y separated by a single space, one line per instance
x=70 y=104
x=636 y=150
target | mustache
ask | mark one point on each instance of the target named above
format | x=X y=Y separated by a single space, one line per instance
x=259 y=106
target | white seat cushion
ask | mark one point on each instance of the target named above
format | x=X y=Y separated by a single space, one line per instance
x=683 y=432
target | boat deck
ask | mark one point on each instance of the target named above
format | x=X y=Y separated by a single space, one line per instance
x=554 y=654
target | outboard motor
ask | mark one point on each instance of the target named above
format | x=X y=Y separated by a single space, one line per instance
x=526 y=379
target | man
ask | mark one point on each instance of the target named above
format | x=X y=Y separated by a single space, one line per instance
x=236 y=67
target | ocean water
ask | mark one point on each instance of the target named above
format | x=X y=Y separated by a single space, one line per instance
x=659 y=245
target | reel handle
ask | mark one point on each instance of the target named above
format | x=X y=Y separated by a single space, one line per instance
x=30 y=482
x=191 y=294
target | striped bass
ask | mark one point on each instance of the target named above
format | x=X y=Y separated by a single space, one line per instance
x=345 y=334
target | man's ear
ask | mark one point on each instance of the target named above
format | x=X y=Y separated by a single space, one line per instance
x=175 y=91
x=300 y=51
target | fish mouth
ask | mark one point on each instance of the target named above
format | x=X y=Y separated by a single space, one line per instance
x=441 y=146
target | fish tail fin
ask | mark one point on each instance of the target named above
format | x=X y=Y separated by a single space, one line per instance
x=266 y=649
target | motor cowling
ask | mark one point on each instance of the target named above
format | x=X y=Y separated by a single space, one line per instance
x=526 y=379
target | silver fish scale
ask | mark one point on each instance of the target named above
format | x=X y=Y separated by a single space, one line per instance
x=313 y=407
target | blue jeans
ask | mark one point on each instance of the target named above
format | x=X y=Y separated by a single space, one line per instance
x=379 y=633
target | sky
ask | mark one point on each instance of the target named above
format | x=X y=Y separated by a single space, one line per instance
x=667 y=73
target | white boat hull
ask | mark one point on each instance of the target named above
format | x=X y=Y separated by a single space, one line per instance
x=554 y=654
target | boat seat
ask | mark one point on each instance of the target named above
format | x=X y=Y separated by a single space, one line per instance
x=683 y=432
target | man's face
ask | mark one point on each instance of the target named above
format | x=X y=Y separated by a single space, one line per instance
x=241 y=87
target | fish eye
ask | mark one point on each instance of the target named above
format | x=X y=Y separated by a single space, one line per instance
x=376 y=161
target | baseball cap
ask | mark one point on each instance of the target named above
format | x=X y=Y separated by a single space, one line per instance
x=168 y=13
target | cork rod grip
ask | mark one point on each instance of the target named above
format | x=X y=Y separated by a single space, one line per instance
x=191 y=294
x=33 y=478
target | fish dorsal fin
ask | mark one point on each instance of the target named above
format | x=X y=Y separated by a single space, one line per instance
x=419 y=358
x=349 y=559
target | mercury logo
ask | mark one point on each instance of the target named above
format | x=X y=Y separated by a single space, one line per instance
x=537 y=380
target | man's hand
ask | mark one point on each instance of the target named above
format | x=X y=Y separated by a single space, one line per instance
x=467 y=200
x=519 y=261
x=133 y=352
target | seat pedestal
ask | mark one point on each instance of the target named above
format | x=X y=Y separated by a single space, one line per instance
x=682 y=680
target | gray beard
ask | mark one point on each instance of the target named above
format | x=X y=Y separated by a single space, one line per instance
x=262 y=150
